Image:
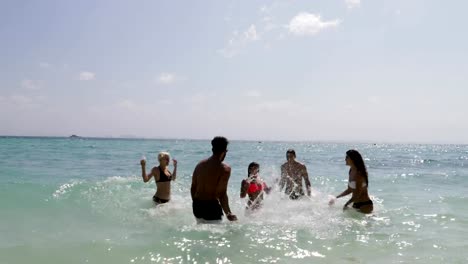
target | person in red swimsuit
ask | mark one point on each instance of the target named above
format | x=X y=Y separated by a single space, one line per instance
x=254 y=187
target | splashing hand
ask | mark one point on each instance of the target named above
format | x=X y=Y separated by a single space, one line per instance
x=231 y=217
x=245 y=184
x=252 y=178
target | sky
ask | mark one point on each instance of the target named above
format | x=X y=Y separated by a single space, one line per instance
x=330 y=70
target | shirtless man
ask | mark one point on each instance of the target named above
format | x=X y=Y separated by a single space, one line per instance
x=162 y=177
x=209 y=185
x=292 y=173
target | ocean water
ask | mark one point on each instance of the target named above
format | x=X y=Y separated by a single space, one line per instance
x=83 y=201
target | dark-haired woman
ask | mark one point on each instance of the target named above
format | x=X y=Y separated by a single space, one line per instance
x=254 y=187
x=357 y=184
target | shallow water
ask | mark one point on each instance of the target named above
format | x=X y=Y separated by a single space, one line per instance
x=83 y=201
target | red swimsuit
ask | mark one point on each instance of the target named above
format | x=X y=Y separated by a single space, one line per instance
x=255 y=187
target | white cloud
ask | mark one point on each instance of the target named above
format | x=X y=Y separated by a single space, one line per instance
x=264 y=9
x=87 y=76
x=44 y=65
x=374 y=99
x=127 y=104
x=252 y=93
x=352 y=3
x=167 y=78
x=164 y=102
x=238 y=41
x=269 y=26
x=269 y=9
x=251 y=34
x=280 y=107
x=309 y=24
x=268 y=15
x=197 y=99
x=349 y=107
x=19 y=101
x=31 y=84
x=275 y=105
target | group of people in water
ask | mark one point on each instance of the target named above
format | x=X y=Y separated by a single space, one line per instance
x=211 y=177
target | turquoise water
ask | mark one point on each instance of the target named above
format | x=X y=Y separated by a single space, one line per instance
x=83 y=201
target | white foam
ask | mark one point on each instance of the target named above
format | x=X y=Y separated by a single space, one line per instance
x=64 y=188
x=120 y=179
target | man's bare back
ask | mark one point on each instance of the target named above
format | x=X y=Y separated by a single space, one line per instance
x=209 y=185
x=210 y=176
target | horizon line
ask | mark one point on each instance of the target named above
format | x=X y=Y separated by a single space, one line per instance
x=131 y=137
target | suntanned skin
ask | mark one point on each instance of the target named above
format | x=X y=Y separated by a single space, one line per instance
x=210 y=180
x=255 y=198
x=292 y=173
x=360 y=194
x=163 y=189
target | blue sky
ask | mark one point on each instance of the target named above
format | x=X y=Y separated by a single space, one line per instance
x=343 y=70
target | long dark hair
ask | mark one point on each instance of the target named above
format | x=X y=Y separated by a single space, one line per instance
x=356 y=157
x=251 y=166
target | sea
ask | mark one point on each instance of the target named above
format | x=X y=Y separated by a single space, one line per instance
x=82 y=200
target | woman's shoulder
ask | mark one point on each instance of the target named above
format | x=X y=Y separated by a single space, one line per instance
x=357 y=176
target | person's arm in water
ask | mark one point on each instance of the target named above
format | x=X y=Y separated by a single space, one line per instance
x=344 y=193
x=223 y=198
x=174 y=172
x=244 y=187
x=356 y=192
x=283 y=177
x=193 y=188
x=146 y=177
x=266 y=188
x=305 y=175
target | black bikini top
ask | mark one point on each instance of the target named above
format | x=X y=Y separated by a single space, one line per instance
x=163 y=177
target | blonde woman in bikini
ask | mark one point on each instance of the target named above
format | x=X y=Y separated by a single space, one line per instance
x=162 y=176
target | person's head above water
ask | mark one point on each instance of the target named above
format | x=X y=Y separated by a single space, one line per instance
x=354 y=159
x=219 y=147
x=254 y=169
x=291 y=155
x=164 y=158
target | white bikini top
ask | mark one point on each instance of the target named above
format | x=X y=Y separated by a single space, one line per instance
x=352 y=184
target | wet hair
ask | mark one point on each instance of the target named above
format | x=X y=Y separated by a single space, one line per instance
x=356 y=157
x=291 y=151
x=253 y=165
x=219 y=145
x=163 y=155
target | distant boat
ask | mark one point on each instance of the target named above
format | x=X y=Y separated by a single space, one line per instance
x=74 y=136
